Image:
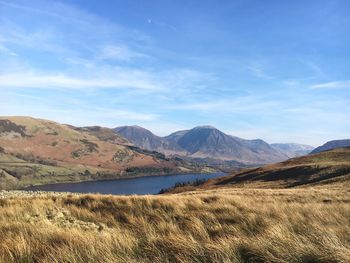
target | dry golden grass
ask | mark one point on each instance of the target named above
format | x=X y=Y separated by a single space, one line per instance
x=221 y=225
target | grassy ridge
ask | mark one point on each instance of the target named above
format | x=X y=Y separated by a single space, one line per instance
x=330 y=169
x=226 y=225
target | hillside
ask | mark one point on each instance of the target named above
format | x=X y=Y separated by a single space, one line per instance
x=104 y=134
x=329 y=169
x=332 y=145
x=41 y=151
x=204 y=142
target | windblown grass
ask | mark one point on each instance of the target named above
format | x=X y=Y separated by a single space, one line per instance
x=210 y=226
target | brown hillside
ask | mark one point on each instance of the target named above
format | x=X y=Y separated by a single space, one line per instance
x=42 y=146
x=329 y=169
x=50 y=140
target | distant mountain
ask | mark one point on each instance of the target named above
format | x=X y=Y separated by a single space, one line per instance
x=207 y=141
x=141 y=137
x=204 y=142
x=293 y=149
x=332 y=145
x=145 y=139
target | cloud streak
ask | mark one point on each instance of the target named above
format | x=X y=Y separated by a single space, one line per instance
x=258 y=69
x=332 y=85
x=119 y=80
x=119 y=52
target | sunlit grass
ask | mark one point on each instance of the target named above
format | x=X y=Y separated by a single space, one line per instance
x=226 y=225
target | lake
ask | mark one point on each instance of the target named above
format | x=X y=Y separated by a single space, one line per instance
x=127 y=186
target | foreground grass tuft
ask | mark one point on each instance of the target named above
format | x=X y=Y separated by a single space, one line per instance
x=210 y=226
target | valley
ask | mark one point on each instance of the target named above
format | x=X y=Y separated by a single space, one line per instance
x=36 y=151
x=296 y=210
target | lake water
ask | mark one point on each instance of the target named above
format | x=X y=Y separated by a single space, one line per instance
x=127 y=186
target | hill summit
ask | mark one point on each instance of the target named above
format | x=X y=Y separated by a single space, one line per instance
x=204 y=142
x=332 y=145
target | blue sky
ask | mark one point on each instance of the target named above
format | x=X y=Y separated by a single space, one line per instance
x=276 y=70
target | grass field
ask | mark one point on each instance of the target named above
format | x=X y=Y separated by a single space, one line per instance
x=220 y=225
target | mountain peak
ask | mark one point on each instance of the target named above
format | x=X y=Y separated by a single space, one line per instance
x=140 y=136
x=204 y=141
x=131 y=127
x=205 y=127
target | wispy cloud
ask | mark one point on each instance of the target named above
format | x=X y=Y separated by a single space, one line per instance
x=316 y=69
x=127 y=79
x=70 y=110
x=240 y=104
x=69 y=30
x=332 y=85
x=119 y=52
x=30 y=9
x=6 y=51
x=161 y=24
x=123 y=115
x=258 y=69
x=40 y=39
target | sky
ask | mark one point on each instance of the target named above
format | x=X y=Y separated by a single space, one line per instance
x=275 y=70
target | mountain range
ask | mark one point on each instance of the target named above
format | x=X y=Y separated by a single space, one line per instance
x=209 y=142
x=332 y=145
x=293 y=149
x=36 y=151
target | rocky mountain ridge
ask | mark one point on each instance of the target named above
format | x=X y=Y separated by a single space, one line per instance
x=209 y=142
